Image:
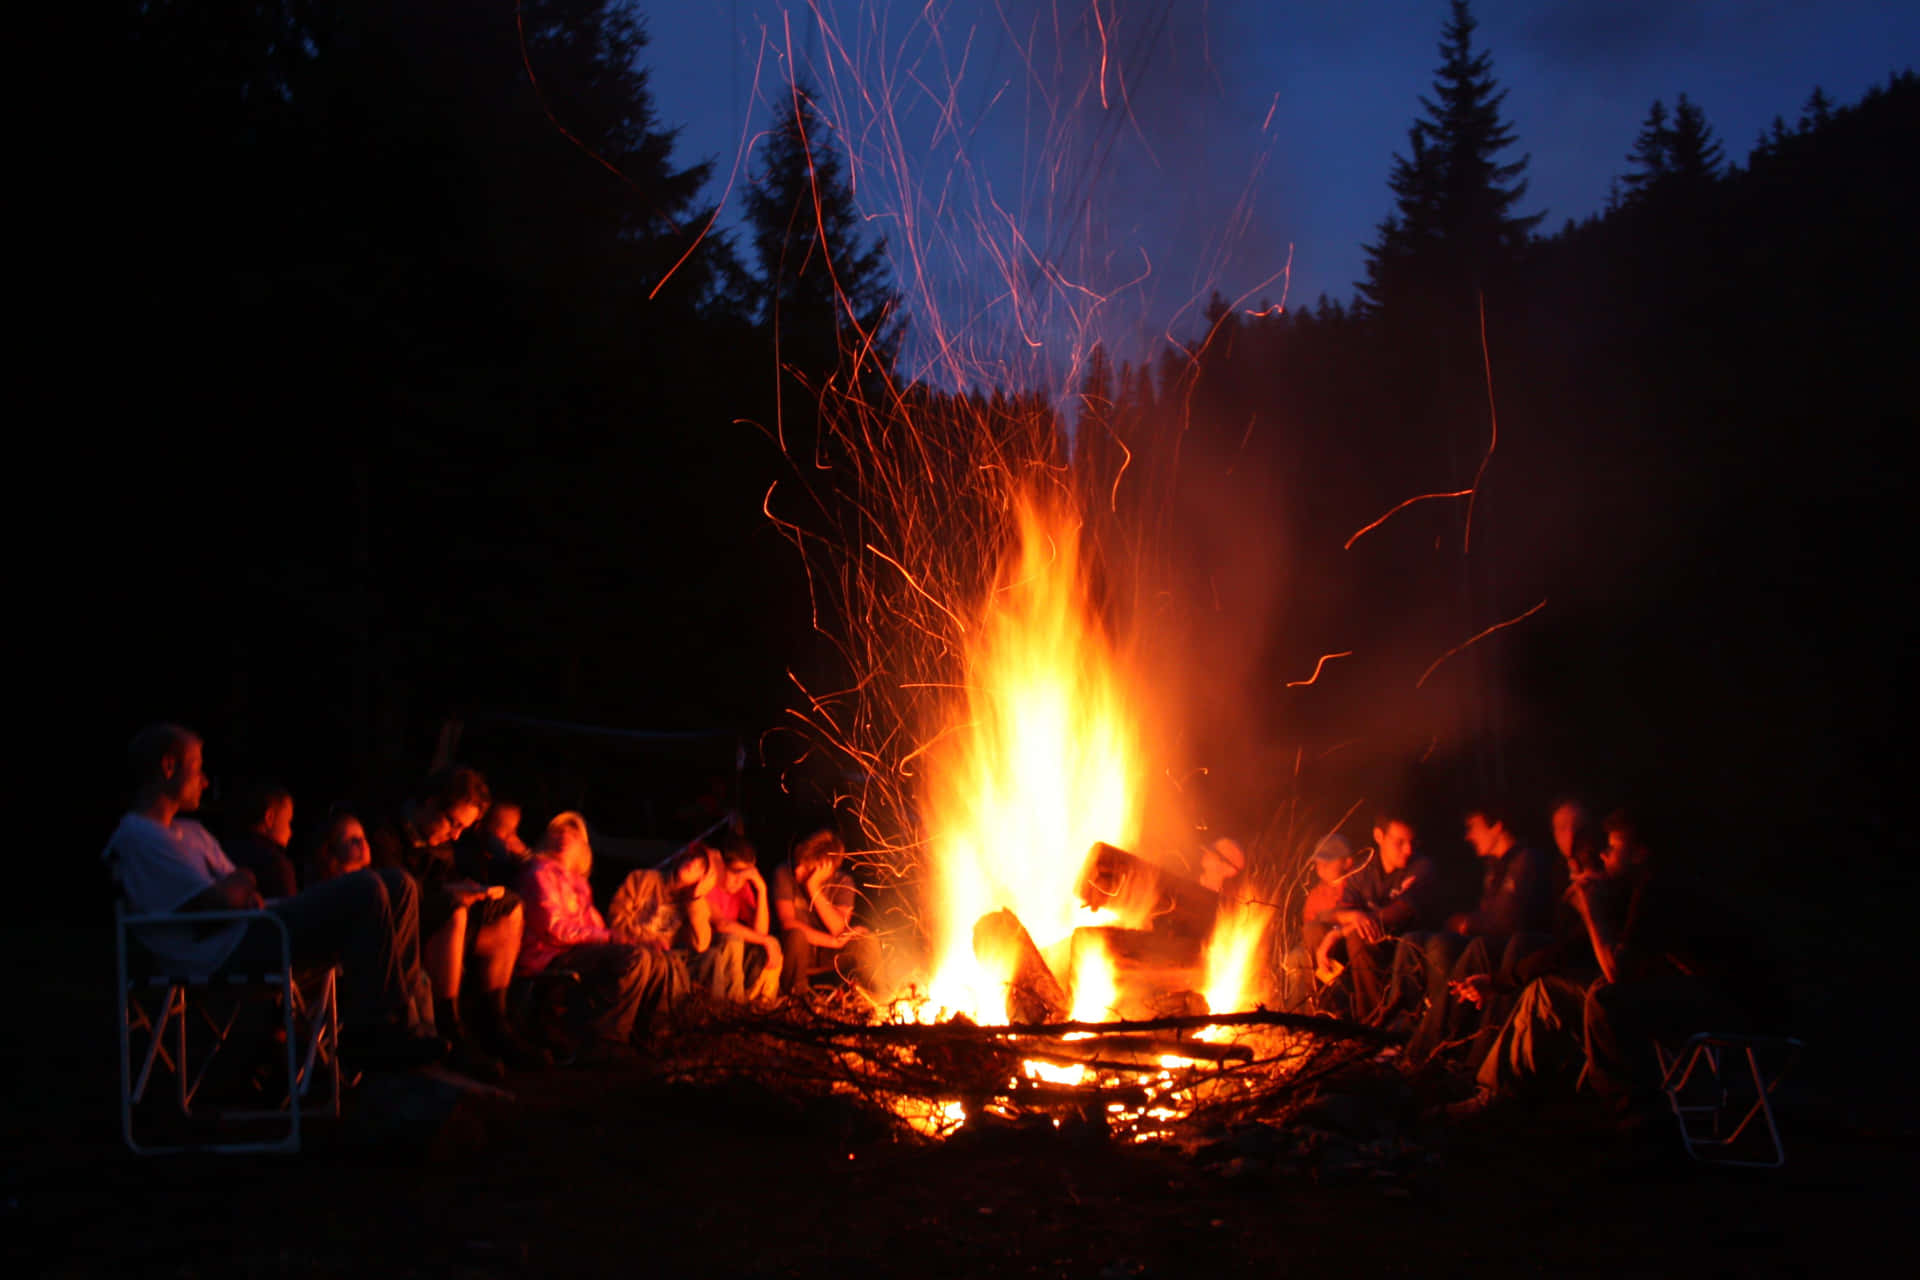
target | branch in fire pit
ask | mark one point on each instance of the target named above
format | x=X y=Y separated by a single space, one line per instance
x=1327 y=1028
x=1133 y=1052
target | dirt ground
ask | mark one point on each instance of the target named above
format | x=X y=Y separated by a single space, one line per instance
x=604 y=1170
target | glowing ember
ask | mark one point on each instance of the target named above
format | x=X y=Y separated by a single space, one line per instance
x=1041 y=761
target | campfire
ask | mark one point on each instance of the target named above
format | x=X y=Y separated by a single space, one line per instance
x=980 y=570
x=1070 y=981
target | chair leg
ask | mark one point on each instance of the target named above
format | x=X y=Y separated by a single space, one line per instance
x=1709 y=1147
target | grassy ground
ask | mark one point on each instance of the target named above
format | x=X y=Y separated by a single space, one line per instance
x=604 y=1170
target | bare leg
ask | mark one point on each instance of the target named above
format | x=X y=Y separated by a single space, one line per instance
x=496 y=947
x=444 y=956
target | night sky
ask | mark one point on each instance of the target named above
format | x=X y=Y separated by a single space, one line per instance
x=1254 y=126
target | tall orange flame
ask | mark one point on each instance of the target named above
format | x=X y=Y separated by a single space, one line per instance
x=1041 y=760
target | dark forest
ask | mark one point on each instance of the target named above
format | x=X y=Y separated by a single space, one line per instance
x=424 y=435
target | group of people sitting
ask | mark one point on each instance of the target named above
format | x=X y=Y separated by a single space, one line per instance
x=435 y=908
x=1567 y=964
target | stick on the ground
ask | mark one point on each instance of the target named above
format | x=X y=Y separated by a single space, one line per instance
x=913 y=1033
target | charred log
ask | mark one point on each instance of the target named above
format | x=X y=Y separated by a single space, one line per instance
x=1148 y=897
x=1033 y=993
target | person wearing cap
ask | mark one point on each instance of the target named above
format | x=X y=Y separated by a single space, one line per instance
x=1312 y=960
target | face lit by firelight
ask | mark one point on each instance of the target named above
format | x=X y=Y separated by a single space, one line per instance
x=1395 y=843
x=349 y=846
x=1484 y=838
x=280 y=821
x=1566 y=825
x=188 y=781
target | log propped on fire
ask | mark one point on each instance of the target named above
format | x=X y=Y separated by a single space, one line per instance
x=1033 y=993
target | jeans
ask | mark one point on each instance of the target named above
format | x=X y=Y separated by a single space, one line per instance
x=622 y=987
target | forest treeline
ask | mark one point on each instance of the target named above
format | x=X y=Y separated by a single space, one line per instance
x=458 y=433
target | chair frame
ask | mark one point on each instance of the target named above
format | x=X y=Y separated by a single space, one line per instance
x=321 y=1015
x=1722 y=1061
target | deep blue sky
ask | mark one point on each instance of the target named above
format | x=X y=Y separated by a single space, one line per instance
x=1254 y=127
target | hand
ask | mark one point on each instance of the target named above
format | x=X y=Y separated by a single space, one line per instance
x=773 y=952
x=1362 y=925
x=1329 y=973
x=1472 y=990
x=1580 y=893
x=469 y=891
x=1459 y=924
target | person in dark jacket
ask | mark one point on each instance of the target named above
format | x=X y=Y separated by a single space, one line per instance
x=1672 y=963
x=1519 y=885
x=1394 y=892
x=265 y=817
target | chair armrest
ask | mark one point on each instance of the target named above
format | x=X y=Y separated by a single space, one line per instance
x=127 y=922
x=198 y=917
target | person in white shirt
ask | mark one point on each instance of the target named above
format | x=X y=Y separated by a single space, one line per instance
x=367 y=922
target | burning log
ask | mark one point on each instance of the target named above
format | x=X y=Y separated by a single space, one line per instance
x=1149 y=897
x=1134 y=1052
x=1033 y=993
x=1154 y=974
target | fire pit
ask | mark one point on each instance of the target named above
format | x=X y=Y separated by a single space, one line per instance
x=1144 y=1080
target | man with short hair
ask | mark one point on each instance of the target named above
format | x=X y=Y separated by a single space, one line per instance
x=165 y=864
x=1394 y=892
x=464 y=924
x=1669 y=965
x=1672 y=963
x=265 y=817
x=1516 y=904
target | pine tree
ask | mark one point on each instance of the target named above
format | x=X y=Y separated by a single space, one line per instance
x=1652 y=154
x=1694 y=154
x=826 y=291
x=1453 y=227
x=1817 y=112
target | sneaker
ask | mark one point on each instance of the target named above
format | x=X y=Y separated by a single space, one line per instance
x=1480 y=1104
x=520 y=1053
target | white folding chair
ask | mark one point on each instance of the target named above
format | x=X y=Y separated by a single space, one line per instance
x=1719 y=1084
x=185 y=995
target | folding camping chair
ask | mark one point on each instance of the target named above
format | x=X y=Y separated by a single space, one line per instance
x=1719 y=1084
x=186 y=997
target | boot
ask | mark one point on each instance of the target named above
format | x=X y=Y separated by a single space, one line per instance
x=469 y=1057
x=504 y=1038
